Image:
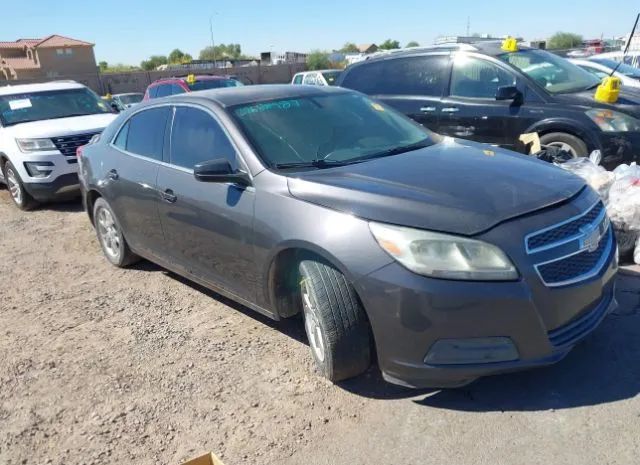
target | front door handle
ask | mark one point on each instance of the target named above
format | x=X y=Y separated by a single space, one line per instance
x=450 y=110
x=113 y=175
x=169 y=196
x=427 y=109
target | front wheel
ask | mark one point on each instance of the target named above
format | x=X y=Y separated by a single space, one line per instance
x=112 y=241
x=335 y=322
x=567 y=142
x=21 y=198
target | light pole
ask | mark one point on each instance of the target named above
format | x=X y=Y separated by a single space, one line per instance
x=213 y=45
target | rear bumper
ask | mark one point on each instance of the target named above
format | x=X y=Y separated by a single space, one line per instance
x=63 y=187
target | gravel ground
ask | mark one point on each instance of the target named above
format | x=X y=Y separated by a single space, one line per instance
x=106 y=366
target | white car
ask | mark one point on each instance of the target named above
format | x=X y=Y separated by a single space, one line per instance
x=324 y=77
x=602 y=67
x=41 y=126
x=631 y=58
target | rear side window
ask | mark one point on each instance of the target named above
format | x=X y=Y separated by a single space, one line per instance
x=422 y=75
x=297 y=79
x=153 y=92
x=310 y=79
x=196 y=137
x=475 y=78
x=145 y=132
x=121 y=140
x=164 y=90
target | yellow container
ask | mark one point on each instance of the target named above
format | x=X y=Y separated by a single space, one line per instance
x=609 y=90
x=510 y=44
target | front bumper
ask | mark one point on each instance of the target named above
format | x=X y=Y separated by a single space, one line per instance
x=410 y=313
x=63 y=187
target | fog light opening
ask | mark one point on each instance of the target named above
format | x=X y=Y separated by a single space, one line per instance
x=472 y=351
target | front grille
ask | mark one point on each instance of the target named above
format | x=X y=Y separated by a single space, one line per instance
x=68 y=144
x=575 y=330
x=576 y=267
x=563 y=232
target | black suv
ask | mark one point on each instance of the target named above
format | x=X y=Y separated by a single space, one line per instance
x=483 y=93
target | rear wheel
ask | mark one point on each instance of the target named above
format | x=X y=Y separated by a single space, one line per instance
x=21 y=198
x=112 y=241
x=335 y=322
x=568 y=142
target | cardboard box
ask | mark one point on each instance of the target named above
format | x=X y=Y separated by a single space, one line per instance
x=208 y=459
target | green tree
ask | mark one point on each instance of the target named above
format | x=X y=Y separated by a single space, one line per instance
x=318 y=59
x=176 y=56
x=564 y=41
x=153 y=62
x=349 y=47
x=413 y=43
x=222 y=51
x=103 y=65
x=389 y=44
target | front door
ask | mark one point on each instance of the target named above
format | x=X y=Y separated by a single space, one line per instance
x=208 y=226
x=131 y=174
x=471 y=111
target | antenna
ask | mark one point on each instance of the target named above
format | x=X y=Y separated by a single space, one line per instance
x=626 y=48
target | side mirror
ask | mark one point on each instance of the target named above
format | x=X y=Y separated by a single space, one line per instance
x=220 y=170
x=508 y=93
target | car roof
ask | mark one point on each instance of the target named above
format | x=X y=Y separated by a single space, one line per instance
x=43 y=87
x=231 y=96
x=200 y=77
x=127 y=93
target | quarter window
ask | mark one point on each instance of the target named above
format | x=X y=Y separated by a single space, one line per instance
x=145 y=132
x=421 y=75
x=475 y=78
x=196 y=137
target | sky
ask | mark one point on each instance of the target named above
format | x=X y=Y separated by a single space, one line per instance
x=128 y=31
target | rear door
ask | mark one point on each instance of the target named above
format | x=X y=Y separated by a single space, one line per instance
x=208 y=226
x=471 y=111
x=413 y=85
x=132 y=172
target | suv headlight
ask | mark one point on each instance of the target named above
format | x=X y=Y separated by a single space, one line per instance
x=35 y=145
x=444 y=256
x=613 y=121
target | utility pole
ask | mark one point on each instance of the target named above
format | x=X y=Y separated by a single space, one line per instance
x=213 y=45
x=468 y=26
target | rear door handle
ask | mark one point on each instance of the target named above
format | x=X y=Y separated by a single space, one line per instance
x=427 y=109
x=113 y=175
x=169 y=196
x=450 y=110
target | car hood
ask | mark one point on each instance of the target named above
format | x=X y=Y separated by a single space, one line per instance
x=62 y=126
x=628 y=101
x=454 y=186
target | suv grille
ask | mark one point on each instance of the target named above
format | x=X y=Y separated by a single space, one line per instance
x=68 y=144
x=563 y=232
x=587 y=242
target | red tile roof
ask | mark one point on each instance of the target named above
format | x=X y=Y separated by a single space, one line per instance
x=53 y=40
x=19 y=63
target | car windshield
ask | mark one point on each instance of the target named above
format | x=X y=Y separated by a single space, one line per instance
x=52 y=104
x=205 y=84
x=331 y=77
x=553 y=73
x=321 y=130
x=623 y=68
x=128 y=99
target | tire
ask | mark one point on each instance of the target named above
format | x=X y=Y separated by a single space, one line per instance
x=21 y=198
x=114 y=245
x=569 y=142
x=335 y=322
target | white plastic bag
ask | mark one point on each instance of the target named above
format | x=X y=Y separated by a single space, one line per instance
x=595 y=175
x=636 y=253
x=623 y=206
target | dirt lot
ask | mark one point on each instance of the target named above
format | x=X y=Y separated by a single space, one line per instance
x=107 y=366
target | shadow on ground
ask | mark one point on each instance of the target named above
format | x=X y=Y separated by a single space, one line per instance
x=604 y=368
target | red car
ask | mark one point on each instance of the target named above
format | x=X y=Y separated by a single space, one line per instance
x=179 y=85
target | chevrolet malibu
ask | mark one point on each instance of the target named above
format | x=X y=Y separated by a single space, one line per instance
x=443 y=259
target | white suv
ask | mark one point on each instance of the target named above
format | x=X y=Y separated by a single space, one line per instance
x=41 y=126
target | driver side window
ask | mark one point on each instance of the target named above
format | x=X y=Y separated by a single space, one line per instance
x=476 y=78
x=196 y=137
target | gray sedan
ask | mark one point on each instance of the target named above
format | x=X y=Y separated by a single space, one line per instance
x=444 y=259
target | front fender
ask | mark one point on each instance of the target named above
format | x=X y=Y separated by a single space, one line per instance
x=570 y=126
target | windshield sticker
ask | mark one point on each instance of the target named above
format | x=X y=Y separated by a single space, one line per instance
x=20 y=104
x=377 y=106
x=269 y=106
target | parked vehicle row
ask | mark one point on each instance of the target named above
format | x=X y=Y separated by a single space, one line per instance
x=325 y=77
x=191 y=83
x=603 y=67
x=445 y=260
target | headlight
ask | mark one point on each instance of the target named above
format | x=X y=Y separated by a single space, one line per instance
x=35 y=145
x=613 y=121
x=444 y=256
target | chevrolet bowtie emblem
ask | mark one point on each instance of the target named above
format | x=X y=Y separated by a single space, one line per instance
x=591 y=238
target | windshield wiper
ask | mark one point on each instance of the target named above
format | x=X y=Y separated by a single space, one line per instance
x=313 y=164
x=396 y=150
